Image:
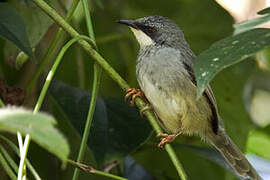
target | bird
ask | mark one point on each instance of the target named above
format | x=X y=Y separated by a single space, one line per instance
x=165 y=74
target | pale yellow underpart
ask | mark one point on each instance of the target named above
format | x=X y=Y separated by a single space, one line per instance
x=141 y=37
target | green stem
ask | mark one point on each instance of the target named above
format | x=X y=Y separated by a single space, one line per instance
x=22 y=169
x=91 y=170
x=17 y=151
x=12 y=163
x=42 y=95
x=96 y=84
x=53 y=70
x=51 y=48
x=97 y=75
x=73 y=33
x=111 y=72
x=102 y=173
x=8 y=170
x=88 y=21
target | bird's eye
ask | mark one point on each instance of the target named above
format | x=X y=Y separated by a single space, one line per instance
x=151 y=30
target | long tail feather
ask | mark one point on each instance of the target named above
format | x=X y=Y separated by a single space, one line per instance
x=233 y=156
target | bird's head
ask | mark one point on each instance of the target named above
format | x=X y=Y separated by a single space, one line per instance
x=155 y=30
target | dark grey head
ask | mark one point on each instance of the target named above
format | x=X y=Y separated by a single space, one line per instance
x=156 y=29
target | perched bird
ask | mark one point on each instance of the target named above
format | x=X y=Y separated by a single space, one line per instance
x=165 y=74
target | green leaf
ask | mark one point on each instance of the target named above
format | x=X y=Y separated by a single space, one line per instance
x=36 y=21
x=264 y=11
x=40 y=126
x=74 y=140
x=250 y=24
x=117 y=129
x=227 y=52
x=12 y=28
x=259 y=143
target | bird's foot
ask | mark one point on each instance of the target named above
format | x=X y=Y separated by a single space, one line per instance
x=165 y=139
x=134 y=93
x=146 y=108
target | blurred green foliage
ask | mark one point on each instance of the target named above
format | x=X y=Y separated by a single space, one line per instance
x=203 y=23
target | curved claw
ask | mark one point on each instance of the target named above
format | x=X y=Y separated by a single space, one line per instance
x=135 y=93
x=165 y=139
x=130 y=91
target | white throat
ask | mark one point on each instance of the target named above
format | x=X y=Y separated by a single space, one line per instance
x=141 y=37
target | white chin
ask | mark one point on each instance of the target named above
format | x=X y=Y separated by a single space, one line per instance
x=142 y=38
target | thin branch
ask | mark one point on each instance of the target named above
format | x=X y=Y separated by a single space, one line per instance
x=91 y=170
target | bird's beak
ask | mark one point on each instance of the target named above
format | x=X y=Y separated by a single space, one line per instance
x=130 y=23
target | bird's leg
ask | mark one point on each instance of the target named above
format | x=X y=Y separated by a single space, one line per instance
x=166 y=138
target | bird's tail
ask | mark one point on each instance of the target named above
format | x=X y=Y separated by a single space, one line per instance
x=233 y=156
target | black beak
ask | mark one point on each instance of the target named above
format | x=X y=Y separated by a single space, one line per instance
x=130 y=23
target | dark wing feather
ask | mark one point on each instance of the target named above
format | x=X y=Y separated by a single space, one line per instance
x=208 y=93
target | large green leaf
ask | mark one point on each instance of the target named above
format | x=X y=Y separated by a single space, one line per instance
x=247 y=25
x=40 y=126
x=117 y=129
x=36 y=21
x=74 y=140
x=227 y=52
x=12 y=28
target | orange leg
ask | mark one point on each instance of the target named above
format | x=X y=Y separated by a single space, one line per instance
x=166 y=138
x=134 y=93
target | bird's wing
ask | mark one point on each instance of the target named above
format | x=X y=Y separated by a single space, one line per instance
x=208 y=93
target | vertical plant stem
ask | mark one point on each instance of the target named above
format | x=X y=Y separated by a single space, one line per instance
x=7 y=168
x=51 y=48
x=22 y=169
x=17 y=151
x=97 y=75
x=9 y=159
x=96 y=84
x=41 y=98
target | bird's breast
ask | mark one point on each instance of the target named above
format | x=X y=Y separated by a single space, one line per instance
x=167 y=109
